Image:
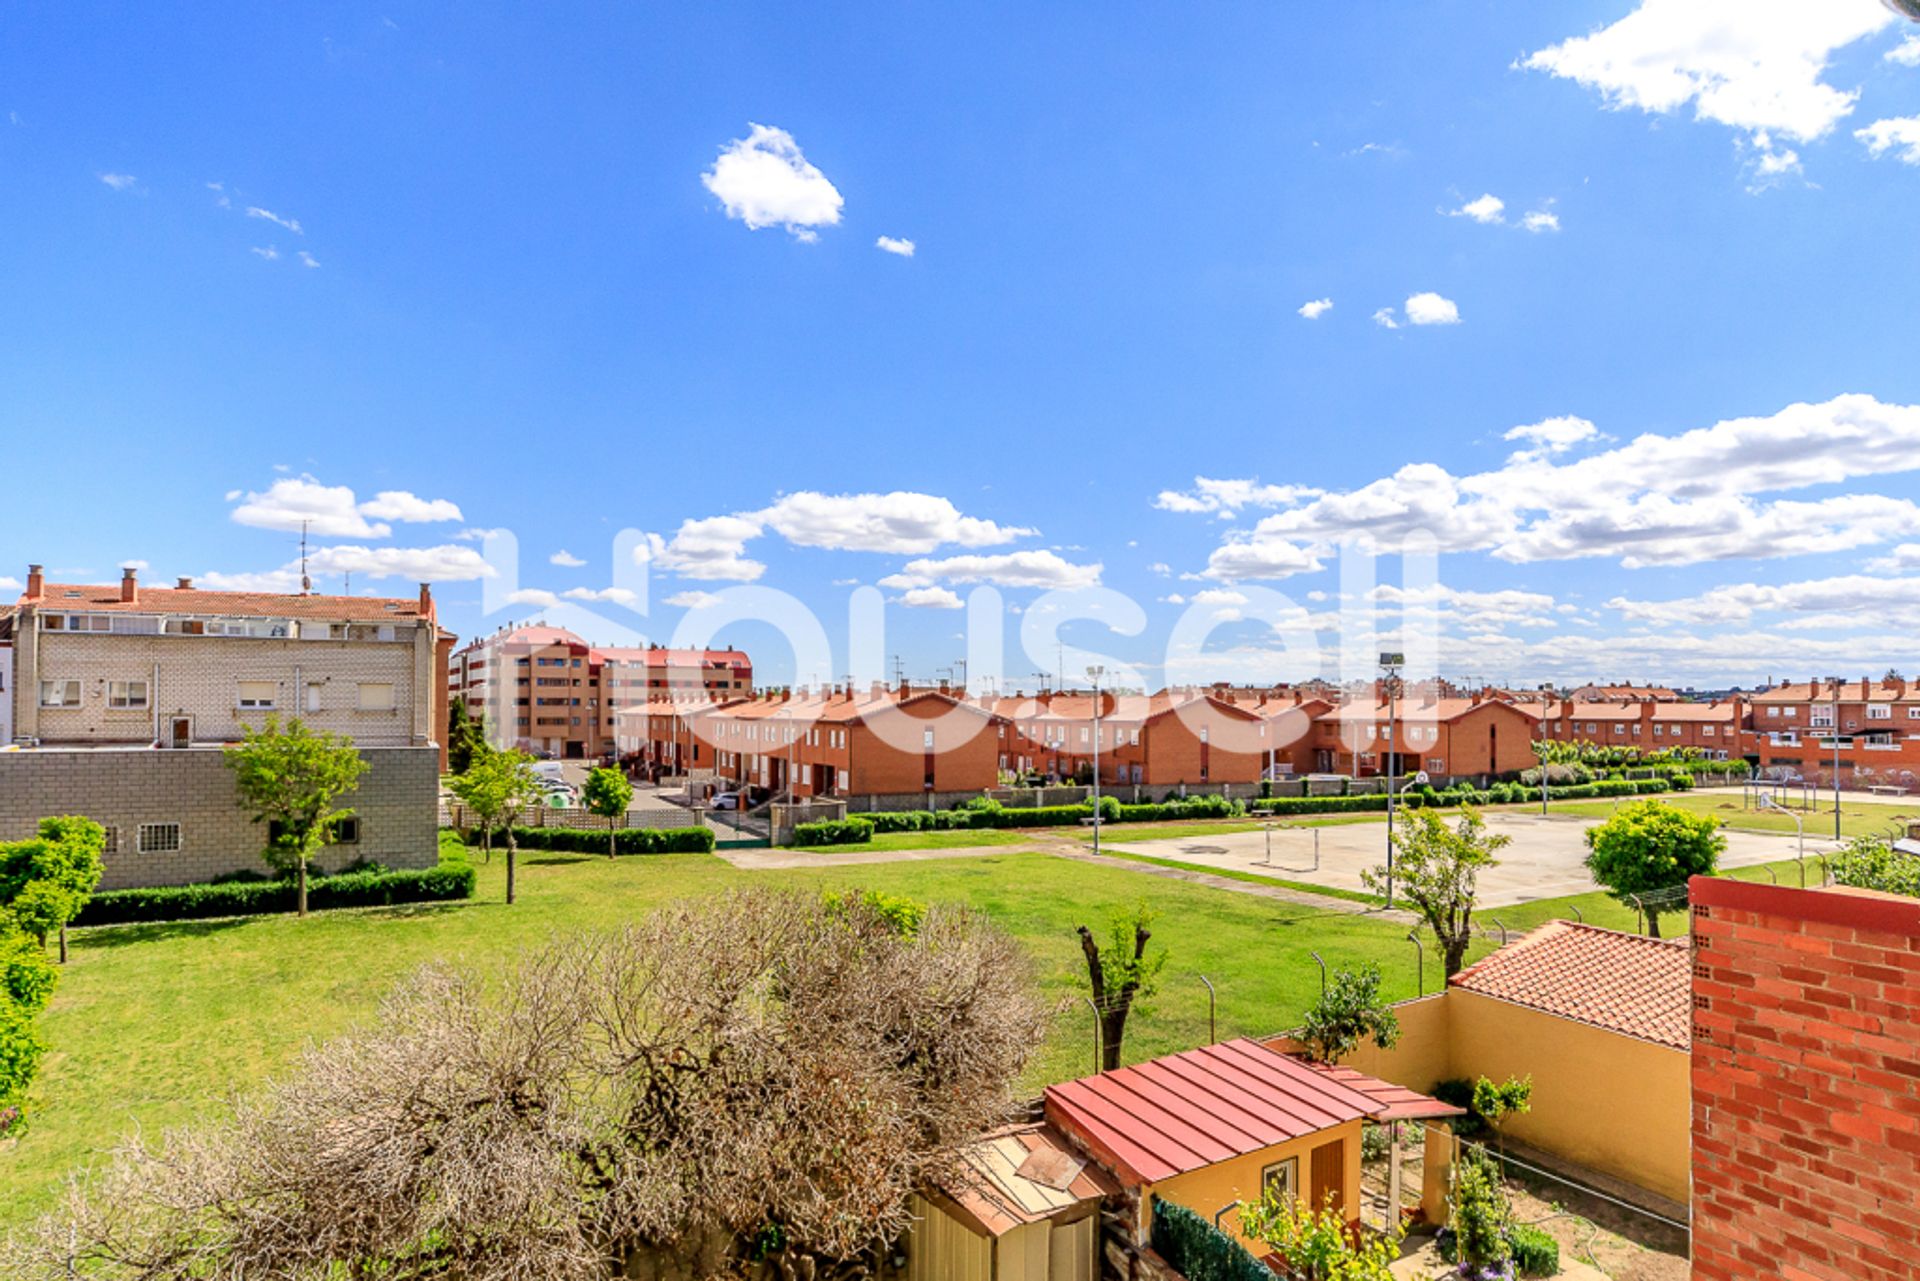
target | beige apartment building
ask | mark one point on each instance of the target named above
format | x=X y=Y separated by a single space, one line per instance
x=120 y=696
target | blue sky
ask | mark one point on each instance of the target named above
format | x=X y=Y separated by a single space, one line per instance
x=535 y=271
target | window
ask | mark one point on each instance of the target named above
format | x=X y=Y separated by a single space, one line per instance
x=257 y=693
x=346 y=829
x=313 y=696
x=1706 y=731
x=1281 y=1178
x=926 y=740
x=1879 y=711
x=376 y=696
x=159 y=838
x=59 y=693
x=1773 y=712
x=126 y=694
x=113 y=841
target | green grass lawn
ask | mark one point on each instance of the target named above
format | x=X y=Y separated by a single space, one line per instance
x=153 y=1025
x=1856 y=818
x=964 y=839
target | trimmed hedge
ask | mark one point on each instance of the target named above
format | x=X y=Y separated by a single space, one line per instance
x=1429 y=798
x=1199 y=1251
x=626 y=840
x=833 y=831
x=372 y=888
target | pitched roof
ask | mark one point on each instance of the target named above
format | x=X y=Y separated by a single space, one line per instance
x=96 y=599
x=1023 y=1174
x=654 y=656
x=1397 y=1102
x=1639 y=987
x=1164 y=1117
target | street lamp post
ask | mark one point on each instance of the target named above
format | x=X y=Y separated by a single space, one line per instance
x=1834 y=729
x=1799 y=828
x=1390 y=664
x=1094 y=673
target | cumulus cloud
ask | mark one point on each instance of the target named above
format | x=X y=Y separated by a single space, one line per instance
x=1317 y=308
x=1706 y=494
x=1827 y=601
x=894 y=245
x=931 y=598
x=1757 y=66
x=1210 y=495
x=712 y=548
x=331 y=511
x=1903 y=559
x=615 y=595
x=447 y=563
x=1541 y=220
x=692 y=600
x=1906 y=53
x=536 y=596
x=398 y=504
x=763 y=180
x=1487 y=209
x=901 y=522
x=1899 y=135
x=1006 y=569
x=565 y=559
x=1385 y=318
x=1432 y=309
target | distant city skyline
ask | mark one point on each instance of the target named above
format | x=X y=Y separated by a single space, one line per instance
x=1144 y=316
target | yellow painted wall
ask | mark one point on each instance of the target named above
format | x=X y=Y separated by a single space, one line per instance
x=1205 y=1191
x=1612 y=1102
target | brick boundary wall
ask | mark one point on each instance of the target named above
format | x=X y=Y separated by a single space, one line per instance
x=1806 y=1084
x=123 y=789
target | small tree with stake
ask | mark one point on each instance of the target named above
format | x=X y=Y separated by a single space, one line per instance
x=1348 y=1013
x=290 y=778
x=1648 y=847
x=607 y=793
x=1120 y=974
x=1438 y=871
x=497 y=786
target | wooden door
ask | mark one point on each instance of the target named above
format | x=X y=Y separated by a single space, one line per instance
x=182 y=735
x=1327 y=1175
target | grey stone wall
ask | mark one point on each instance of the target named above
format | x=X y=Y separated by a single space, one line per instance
x=125 y=788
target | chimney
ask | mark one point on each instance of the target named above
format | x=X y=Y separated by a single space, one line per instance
x=130 y=585
x=36 y=584
x=426 y=601
x=183 y=584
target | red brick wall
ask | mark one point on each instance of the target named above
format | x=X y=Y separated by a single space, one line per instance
x=1806 y=1084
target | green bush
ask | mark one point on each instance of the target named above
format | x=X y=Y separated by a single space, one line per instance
x=834 y=831
x=629 y=840
x=260 y=898
x=1871 y=864
x=1535 y=1252
x=1199 y=1251
x=21 y=1049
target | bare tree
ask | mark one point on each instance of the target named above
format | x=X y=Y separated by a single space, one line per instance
x=754 y=1077
x=1120 y=975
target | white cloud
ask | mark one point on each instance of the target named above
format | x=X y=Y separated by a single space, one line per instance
x=1161 y=568
x=446 y=563
x=566 y=559
x=140 y=566
x=764 y=181
x=330 y=511
x=9 y=583
x=711 y=548
x=1006 y=569
x=269 y=252
x=1385 y=318
x=1219 y=596
x=1698 y=496
x=1540 y=220
x=1432 y=309
x=894 y=245
x=398 y=504
x=1487 y=209
x=286 y=579
x=1753 y=65
x=1854 y=598
x=119 y=181
x=291 y=224
x=308 y=260
x=900 y=522
x=1317 y=308
x=1210 y=495
x=220 y=198
x=931 y=598
x=1902 y=559
x=615 y=595
x=1906 y=53
x=1898 y=134
x=532 y=596
x=692 y=600
x=1551 y=436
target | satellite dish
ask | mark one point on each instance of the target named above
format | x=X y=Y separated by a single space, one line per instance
x=1908 y=9
x=1421 y=779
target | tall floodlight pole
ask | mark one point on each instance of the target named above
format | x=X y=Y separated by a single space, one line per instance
x=1094 y=673
x=1390 y=664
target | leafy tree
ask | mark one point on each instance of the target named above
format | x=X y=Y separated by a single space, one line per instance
x=45 y=881
x=1315 y=1241
x=1120 y=974
x=497 y=787
x=1494 y=1102
x=26 y=985
x=1869 y=863
x=1648 y=847
x=1438 y=870
x=607 y=793
x=466 y=736
x=1349 y=1012
x=290 y=778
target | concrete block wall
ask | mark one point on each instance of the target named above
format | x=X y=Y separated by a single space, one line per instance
x=125 y=788
x=1806 y=1083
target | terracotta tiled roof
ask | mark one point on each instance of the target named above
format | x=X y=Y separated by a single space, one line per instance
x=1164 y=1117
x=95 y=599
x=671 y=657
x=1625 y=983
x=1850 y=692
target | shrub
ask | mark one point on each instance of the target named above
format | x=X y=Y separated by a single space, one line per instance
x=834 y=831
x=1481 y=1212
x=631 y=840
x=260 y=898
x=1870 y=864
x=1197 y=1250
x=1535 y=1252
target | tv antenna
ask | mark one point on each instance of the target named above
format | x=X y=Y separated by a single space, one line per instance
x=306 y=583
